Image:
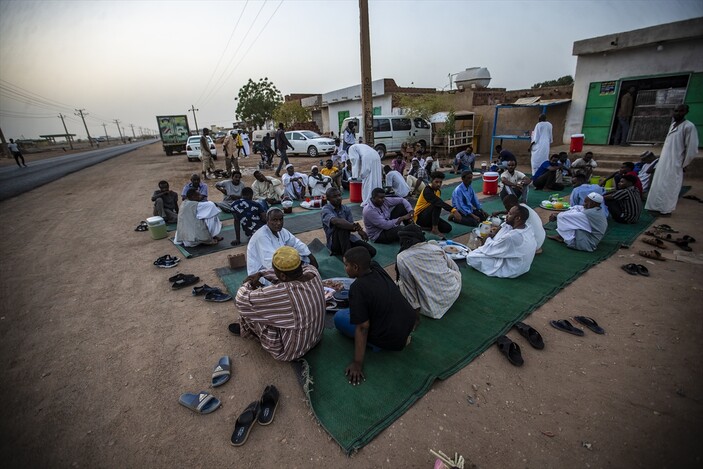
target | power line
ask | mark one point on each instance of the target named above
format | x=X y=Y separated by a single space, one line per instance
x=217 y=85
x=212 y=74
x=261 y=30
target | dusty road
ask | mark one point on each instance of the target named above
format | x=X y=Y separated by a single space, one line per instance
x=95 y=350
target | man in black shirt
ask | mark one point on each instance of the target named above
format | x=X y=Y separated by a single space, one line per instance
x=165 y=203
x=378 y=314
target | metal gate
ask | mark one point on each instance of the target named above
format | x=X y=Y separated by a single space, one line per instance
x=651 y=117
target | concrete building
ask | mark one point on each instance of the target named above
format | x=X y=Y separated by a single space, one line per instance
x=663 y=63
x=330 y=109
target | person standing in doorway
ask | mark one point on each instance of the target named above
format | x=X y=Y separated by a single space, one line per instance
x=282 y=145
x=627 y=104
x=680 y=147
x=541 y=139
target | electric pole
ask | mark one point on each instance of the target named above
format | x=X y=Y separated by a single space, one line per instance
x=4 y=150
x=80 y=113
x=366 y=88
x=133 y=136
x=192 y=109
x=68 y=137
x=105 y=129
x=117 y=122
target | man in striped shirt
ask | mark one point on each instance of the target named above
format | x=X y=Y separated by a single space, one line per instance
x=288 y=316
x=625 y=203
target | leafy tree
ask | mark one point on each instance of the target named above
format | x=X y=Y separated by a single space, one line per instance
x=561 y=81
x=257 y=101
x=424 y=105
x=290 y=113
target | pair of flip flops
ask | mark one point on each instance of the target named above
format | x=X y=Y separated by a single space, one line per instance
x=261 y=411
x=183 y=280
x=167 y=262
x=213 y=294
x=565 y=326
x=636 y=269
x=204 y=402
x=659 y=236
x=142 y=226
x=512 y=350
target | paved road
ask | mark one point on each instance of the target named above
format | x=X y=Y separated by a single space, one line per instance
x=15 y=181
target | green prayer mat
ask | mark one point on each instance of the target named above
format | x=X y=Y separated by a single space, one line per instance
x=354 y=415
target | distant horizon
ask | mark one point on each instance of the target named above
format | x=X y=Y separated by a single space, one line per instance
x=169 y=62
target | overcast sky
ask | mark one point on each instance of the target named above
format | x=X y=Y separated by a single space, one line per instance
x=133 y=60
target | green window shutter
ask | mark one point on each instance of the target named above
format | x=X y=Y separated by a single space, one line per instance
x=341 y=116
x=600 y=107
x=377 y=111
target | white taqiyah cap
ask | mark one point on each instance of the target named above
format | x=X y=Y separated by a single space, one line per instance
x=596 y=197
x=289 y=166
x=314 y=167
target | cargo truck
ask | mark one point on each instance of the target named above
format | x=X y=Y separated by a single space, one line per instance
x=174 y=133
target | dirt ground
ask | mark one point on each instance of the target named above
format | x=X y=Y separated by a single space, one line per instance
x=96 y=349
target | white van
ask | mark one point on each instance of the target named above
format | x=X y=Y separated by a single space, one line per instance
x=390 y=132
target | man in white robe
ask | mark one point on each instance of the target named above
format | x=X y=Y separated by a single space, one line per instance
x=541 y=139
x=510 y=252
x=270 y=237
x=680 y=147
x=534 y=222
x=198 y=222
x=295 y=183
x=583 y=226
x=318 y=183
x=366 y=167
x=246 y=149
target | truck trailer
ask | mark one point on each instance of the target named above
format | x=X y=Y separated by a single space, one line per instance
x=174 y=133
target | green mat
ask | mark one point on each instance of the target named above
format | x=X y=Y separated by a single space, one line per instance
x=486 y=308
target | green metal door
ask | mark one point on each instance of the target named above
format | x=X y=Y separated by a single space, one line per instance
x=600 y=107
x=341 y=116
x=694 y=99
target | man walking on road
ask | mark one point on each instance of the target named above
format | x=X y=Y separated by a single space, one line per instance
x=15 y=150
x=282 y=145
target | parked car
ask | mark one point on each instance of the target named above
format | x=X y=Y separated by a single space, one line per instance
x=389 y=132
x=306 y=142
x=193 y=148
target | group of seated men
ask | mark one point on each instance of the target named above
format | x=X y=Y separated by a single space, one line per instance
x=282 y=301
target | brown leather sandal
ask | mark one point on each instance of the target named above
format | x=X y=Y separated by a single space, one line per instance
x=654 y=242
x=653 y=254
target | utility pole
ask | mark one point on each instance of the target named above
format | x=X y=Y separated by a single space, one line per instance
x=68 y=137
x=105 y=128
x=80 y=113
x=4 y=150
x=133 y=136
x=117 y=122
x=192 y=109
x=366 y=89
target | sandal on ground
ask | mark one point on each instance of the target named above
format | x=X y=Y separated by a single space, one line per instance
x=166 y=262
x=533 y=337
x=222 y=372
x=666 y=228
x=684 y=246
x=142 y=226
x=244 y=423
x=654 y=242
x=687 y=238
x=268 y=405
x=201 y=403
x=510 y=349
x=217 y=296
x=204 y=289
x=179 y=276
x=186 y=281
x=590 y=323
x=642 y=270
x=235 y=328
x=565 y=326
x=653 y=254
x=630 y=268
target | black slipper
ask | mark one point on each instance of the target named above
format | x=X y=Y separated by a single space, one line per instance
x=533 y=337
x=688 y=239
x=510 y=349
x=268 y=404
x=590 y=323
x=684 y=246
x=244 y=423
x=630 y=268
x=235 y=328
x=186 y=281
x=565 y=326
x=642 y=270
